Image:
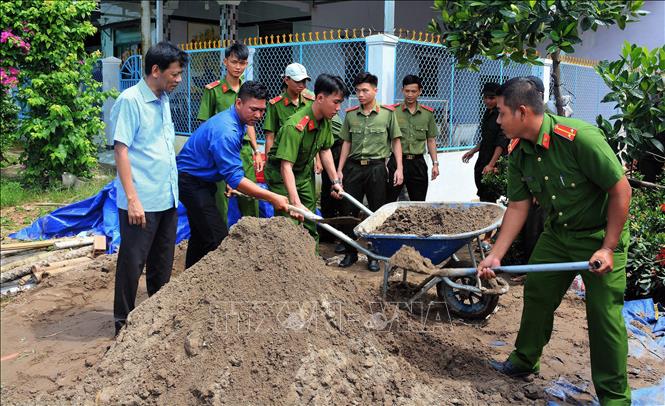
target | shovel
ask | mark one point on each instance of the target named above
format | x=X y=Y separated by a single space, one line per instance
x=334 y=221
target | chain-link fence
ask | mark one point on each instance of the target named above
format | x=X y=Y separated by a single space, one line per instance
x=454 y=94
x=586 y=89
x=345 y=58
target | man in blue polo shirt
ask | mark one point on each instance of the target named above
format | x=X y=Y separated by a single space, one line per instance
x=212 y=154
x=146 y=186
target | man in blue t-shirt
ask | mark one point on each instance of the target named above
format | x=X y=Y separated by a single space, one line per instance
x=212 y=154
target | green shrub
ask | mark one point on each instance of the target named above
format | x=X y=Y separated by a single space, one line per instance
x=62 y=100
x=645 y=270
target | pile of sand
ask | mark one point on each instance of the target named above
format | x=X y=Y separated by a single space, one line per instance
x=257 y=326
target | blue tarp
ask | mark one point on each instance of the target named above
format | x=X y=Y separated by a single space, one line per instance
x=641 y=317
x=99 y=215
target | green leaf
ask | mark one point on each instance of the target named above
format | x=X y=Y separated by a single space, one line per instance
x=508 y=13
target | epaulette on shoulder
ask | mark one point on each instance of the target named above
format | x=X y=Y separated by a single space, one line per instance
x=275 y=99
x=566 y=132
x=428 y=108
x=302 y=123
x=307 y=94
x=513 y=144
x=390 y=107
x=212 y=85
x=352 y=108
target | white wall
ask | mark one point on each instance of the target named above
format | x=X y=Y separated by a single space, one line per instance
x=455 y=181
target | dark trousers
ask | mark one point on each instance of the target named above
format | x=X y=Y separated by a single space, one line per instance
x=484 y=193
x=205 y=222
x=415 y=178
x=362 y=181
x=150 y=247
x=330 y=207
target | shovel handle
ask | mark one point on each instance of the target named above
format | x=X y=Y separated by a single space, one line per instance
x=530 y=268
x=305 y=213
x=356 y=203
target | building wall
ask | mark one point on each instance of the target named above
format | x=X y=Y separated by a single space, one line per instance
x=606 y=43
x=348 y=14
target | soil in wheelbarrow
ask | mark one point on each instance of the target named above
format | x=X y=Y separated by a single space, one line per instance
x=426 y=221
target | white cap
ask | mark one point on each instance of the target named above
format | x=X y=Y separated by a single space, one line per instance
x=296 y=72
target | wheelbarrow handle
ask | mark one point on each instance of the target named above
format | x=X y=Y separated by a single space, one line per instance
x=356 y=203
x=530 y=268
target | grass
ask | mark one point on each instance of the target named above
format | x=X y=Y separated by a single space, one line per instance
x=17 y=202
x=14 y=194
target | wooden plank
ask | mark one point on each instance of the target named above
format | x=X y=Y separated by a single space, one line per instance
x=76 y=242
x=99 y=244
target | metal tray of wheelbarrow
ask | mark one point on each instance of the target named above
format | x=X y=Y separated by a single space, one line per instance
x=435 y=247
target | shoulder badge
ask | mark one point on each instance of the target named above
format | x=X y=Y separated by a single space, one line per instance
x=302 y=123
x=307 y=94
x=428 y=108
x=275 y=99
x=513 y=144
x=566 y=132
x=388 y=106
x=212 y=85
x=352 y=108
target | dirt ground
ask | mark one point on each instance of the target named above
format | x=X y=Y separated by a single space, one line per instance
x=57 y=340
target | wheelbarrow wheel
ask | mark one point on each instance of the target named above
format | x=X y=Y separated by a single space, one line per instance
x=465 y=304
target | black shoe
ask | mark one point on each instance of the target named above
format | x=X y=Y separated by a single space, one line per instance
x=373 y=265
x=348 y=260
x=507 y=368
x=119 y=324
x=340 y=248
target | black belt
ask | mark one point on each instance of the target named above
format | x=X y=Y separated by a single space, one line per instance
x=365 y=162
x=411 y=157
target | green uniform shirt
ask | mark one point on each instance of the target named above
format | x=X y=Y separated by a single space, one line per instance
x=569 y=171
x=298 y=141
x=336 y=127
x=416 y=128
x=281 y=108
x=217 y=97
x=371 y=134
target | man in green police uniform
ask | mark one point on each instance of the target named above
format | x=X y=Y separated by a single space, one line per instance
x=219 y=96
x=568 y=166
x=295 y=98
x=368 y=132
x=306 y=133
x=416 y=122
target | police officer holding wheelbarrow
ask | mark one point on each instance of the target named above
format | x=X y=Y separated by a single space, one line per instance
x=567 y=165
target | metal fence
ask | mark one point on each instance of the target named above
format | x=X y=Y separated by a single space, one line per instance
x=345 y=58
x=587 y=89
x=454 y=94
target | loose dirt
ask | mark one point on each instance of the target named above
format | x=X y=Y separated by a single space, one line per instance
x=262 y=320
x=426 y=221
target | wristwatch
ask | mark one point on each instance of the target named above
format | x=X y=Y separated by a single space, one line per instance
x=435 y=163
x=336 y=182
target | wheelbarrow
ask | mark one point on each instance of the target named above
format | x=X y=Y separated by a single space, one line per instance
x=457 y=287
